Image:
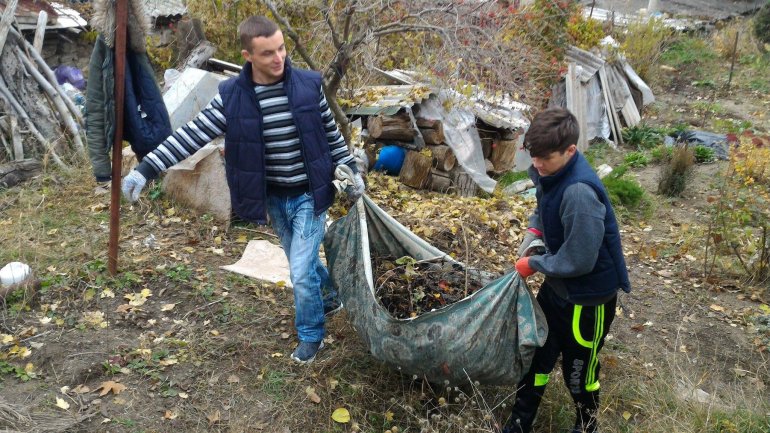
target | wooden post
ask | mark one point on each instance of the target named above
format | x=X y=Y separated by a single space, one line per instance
x=18 y=149
x=42 y=20
x=732 y=64
x=6 y=21
x=121 y=13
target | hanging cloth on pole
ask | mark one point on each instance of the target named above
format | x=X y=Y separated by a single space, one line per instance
x=146 y=118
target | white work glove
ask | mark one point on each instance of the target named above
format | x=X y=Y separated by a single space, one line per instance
x=132 y=185
x=527 y=248
x=356 y=190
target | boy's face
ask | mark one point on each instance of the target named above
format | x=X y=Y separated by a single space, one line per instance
x=554 y=161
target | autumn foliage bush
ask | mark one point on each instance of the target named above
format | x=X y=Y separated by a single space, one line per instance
x=740 y=226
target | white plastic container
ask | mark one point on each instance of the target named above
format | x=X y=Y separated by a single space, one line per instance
x=14 y=273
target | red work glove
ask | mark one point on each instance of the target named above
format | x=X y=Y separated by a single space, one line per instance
x=523 y=268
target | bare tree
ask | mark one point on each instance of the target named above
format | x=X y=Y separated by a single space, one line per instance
x=462 y=44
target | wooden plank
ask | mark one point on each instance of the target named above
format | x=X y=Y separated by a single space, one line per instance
x=18 y=149
x=611 y=113
x=576 y=104
x=42 y=20
x=6 y=21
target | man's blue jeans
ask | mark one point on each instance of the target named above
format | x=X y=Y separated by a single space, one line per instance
x=301 y=233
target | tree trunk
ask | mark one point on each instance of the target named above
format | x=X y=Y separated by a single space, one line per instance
x=415 y=170
x=16 y=172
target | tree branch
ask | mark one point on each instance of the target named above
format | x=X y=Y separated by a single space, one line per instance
x=332 y=29
x=298 y=45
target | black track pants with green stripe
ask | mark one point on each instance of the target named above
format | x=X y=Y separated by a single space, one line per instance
x=577 y=334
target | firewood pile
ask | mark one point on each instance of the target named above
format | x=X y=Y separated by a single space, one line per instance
x=430 y=163
x=38 y=121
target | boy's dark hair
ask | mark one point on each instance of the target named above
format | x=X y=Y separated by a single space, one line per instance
x=552 y=130
x=256 y=26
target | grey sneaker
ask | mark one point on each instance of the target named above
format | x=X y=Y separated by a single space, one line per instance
x=332 y=308
x=305 y=352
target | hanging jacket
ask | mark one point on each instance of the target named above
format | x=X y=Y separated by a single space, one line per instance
x=244 y=145
x=146 y=121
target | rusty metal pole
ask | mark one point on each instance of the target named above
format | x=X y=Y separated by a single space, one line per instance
x=121 y=17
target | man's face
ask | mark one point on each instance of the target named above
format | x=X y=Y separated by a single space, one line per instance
x=554 y=161
x=267 y=58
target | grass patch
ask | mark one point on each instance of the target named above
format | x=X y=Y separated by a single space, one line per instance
x=688 y=51
x=510 y=177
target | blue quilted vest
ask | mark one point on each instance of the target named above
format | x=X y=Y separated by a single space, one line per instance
x=609 y=272
x=244 y=143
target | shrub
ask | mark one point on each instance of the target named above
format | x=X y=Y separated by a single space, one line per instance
x=643 y=45
x=761 y=25
x=642 y=136
x=740 y=225
x=661 y=153
x=636 y=159
x=675 y=174
x=622 y=191
x=704 y=154
x=584 y=32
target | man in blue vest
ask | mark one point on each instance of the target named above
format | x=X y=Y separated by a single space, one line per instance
x=583 y=266
x=281 y=150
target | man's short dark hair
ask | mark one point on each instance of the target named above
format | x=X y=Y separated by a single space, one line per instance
x=256 y=26
x=552 y=130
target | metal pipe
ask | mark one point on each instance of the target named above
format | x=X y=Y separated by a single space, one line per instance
x=121 y=14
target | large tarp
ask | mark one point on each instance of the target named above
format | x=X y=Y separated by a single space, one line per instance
x=489 y=337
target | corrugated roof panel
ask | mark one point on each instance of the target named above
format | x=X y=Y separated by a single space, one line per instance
x=164 y=8
x=388 y=100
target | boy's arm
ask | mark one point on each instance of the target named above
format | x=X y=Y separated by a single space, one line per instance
x=582 y=215
x=205 y=127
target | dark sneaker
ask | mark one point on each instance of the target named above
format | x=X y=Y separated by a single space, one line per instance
x=332 y=308
x=305 y=352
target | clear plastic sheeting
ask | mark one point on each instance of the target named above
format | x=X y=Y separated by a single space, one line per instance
x=489 y=336
x=461 y=135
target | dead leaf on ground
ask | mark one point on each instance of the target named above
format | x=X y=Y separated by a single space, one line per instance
x=233 y=379
x=311 y=394
x=110 y=386
x=214 y=417
x=62 y=404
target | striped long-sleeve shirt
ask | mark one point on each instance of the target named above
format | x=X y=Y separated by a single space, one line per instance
x=285 y=168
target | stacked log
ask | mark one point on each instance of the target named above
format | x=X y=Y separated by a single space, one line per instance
x=416 y=170
x=432 y=131
x=435 y=167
